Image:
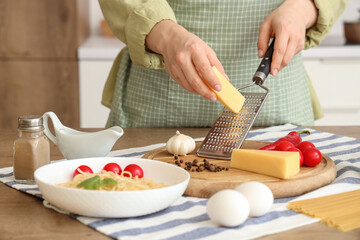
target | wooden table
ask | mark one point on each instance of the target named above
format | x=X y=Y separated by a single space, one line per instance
x=23 y=216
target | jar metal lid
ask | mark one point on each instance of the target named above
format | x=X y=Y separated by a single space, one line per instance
x=30 y=122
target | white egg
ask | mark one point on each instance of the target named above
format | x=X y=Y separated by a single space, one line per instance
x=259 y=196
x=228 y=208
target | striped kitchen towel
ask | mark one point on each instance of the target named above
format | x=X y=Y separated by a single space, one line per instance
x=187 y=218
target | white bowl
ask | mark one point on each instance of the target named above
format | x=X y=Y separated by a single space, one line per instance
x=111 y=204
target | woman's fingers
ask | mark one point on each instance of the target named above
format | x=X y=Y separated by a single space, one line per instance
x=186 y=74
x=197 y=83
x=196 y=69
x=264 y=38
x=204 y=68
x=198 y=73
x=214 y=61
x=188 y=59
x=279 y=52
x=179 y=77
x=291 y=51
x=288 y=24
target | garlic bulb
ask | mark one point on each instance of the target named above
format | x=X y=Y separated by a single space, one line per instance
x=180 y=144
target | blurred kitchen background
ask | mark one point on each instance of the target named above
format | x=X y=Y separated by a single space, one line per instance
x=55 y=56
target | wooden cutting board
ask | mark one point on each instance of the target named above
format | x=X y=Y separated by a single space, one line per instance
x=204 y=184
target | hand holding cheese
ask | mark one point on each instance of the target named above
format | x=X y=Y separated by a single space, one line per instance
x=188 y=59
x=229 y=96
x=273 y=163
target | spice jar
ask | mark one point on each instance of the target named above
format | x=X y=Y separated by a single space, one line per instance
x=31 y=149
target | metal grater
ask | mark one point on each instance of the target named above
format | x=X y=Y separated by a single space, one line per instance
x=230 y=129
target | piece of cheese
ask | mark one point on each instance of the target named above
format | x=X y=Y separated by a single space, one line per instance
x=229 y=96
x=273 y=163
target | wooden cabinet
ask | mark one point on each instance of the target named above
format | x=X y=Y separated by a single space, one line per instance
x=38 y=58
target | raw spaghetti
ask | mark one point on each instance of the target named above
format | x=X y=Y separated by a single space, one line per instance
x=340 y=210
x=123 y=183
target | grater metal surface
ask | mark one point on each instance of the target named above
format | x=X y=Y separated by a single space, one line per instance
x=230 y=129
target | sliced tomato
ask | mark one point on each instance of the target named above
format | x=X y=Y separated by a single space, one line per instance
x=113 y=167
x=135 y=170
x=83 y=168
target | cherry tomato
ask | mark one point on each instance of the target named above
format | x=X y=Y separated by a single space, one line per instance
x=305 y=145
x=135 y=170
x=301 y=154
x=312 y=157
x=284 y=146
x=83 y=168
x=113 y=167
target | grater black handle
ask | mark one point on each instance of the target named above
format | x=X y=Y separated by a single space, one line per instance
x=264 y=68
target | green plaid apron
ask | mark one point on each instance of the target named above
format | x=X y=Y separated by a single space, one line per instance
x=150 y=98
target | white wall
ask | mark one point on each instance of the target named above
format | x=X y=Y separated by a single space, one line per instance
x=95 y=17
x=350 y=14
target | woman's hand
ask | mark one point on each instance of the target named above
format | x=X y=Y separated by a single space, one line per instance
x=188 y=59
x=288 y=25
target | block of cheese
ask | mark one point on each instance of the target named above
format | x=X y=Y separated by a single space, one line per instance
x=273 y=163
x=229 y=96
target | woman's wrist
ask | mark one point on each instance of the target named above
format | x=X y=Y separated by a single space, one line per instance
x=312 y=12
x=307 y=10
x=159 y=35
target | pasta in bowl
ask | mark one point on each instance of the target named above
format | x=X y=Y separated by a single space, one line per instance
x=171 y=181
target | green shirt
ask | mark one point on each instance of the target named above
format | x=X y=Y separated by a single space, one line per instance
x=132 y=20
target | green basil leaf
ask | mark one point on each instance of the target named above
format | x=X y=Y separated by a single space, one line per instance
x=91 y=183
x=109 y=181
